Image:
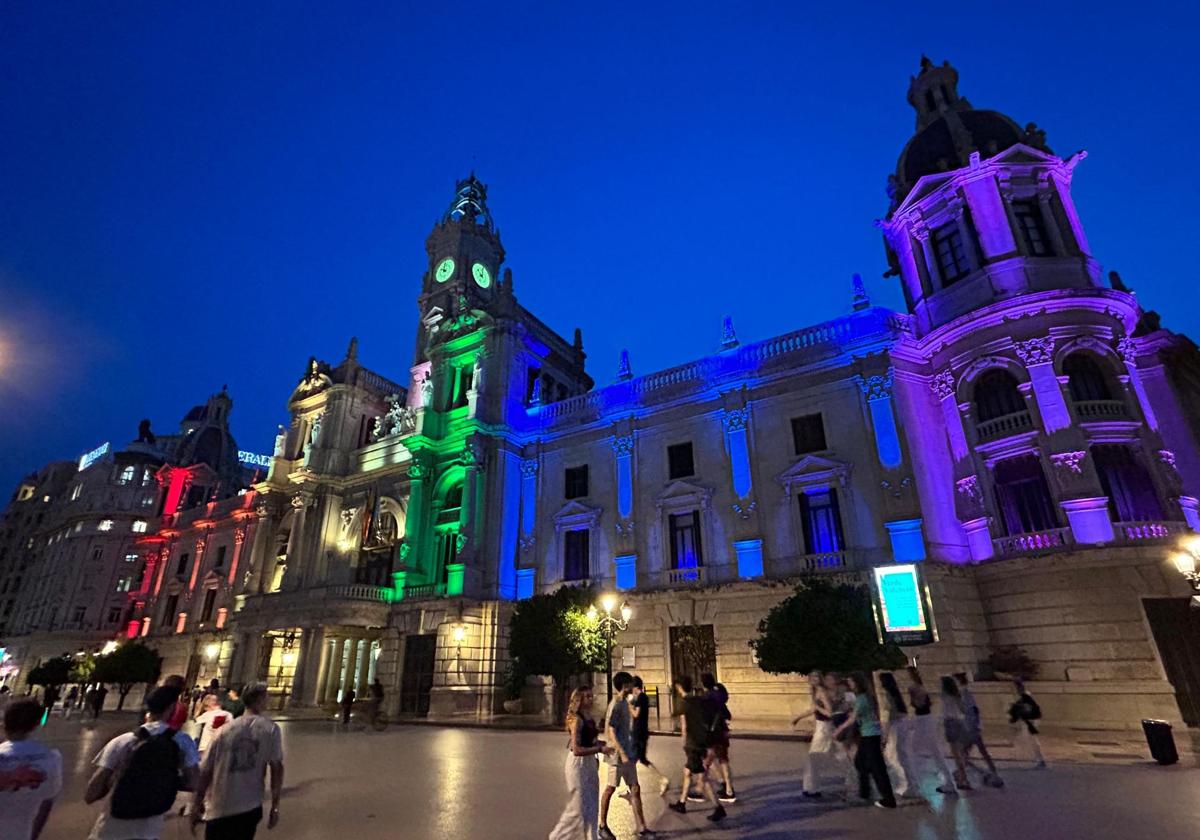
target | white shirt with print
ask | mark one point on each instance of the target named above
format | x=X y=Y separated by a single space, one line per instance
x=238 y=762
x=30 y=773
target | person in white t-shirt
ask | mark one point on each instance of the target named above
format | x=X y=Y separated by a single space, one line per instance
x=30 y=774
x=210 y=720
x=113 y=760
x=229 y=796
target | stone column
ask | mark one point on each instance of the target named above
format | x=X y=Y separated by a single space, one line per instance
x=413 y=549
x=968 y=238
x=333 y=672
x=1045 y=199
x=291 y=578
x=351 y=657
x=1037 y=354
x=306 y=686
x=921 y=232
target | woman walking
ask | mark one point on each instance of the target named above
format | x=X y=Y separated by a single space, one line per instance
x=954 y=725
x=869 y=757
x=1023 y=713
x=580 y=817
x=826 y=705
x=926 y=740
x=897 y=738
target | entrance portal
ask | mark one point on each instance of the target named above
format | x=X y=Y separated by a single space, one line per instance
x=277 y=666
x=417 y=679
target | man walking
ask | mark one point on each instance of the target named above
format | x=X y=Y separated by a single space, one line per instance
x=229 y=795
x=622 y=766
x=31 y=773
x=143 y=770
x=639 y=705
x=695 y=744
x=347 y=706
x=716 y=713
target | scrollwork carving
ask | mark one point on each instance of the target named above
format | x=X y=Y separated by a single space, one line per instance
x=1036 y=351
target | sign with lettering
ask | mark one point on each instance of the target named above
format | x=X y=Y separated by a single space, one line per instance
x=95 y=455
x=903 y=607
x=253 y=459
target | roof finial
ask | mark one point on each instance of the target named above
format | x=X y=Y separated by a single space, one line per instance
x=352 y=350
x=860 y=300
x=624 y=371
x=729 y=338
x=578 y=343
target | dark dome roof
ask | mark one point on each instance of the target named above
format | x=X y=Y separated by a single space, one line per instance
x=933 y=148
x=198 y=412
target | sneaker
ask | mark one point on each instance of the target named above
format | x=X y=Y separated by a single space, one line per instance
x=678 y=807
x=717 y=815
x=992 y=780
x=885 y=805
x=727 y=795
x=947 y=789
x=807 y=795
x=695 y=797
x=606 y=834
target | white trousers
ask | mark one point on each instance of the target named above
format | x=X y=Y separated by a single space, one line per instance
x=897 y=756
x=926 y=742
x=581 y=815
x=823 y=745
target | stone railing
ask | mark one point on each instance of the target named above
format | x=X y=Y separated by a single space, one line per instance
x=361 y=592
x=1144 y=531
x=683 y=577
x=1034 y=541
x=381 y=385
x=422 y=591
x=1100 y=410
x=1007 y=424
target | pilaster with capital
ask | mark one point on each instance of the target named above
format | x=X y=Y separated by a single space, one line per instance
x=1037 y=354
x=877 y=389
x=946 y=393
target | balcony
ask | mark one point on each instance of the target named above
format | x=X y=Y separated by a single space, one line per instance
x=1139 y=532
x=1100 y=410
x=1033 y=542
x=1005 y=425
x=685 y=577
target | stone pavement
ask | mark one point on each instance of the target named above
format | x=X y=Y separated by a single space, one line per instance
x=457 y=782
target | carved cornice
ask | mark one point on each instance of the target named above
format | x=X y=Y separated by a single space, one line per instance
x=879 y=386
x=1036 y=351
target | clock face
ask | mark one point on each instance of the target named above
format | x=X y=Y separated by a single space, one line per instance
x=482 y=276
x=444 y=270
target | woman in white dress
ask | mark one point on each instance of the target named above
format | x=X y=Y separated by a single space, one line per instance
x=925 y=739
x=897 y=737
x=580 y=817
x=828 y=704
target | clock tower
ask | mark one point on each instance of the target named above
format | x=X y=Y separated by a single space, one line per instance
x=465 y=255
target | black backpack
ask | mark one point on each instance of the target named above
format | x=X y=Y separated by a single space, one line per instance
x=150 y=781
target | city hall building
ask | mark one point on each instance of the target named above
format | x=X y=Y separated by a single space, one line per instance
x=1024 y=432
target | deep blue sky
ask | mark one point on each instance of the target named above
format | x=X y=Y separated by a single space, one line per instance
x=208 y=193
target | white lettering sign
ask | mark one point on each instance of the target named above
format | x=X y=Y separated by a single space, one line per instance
x=253 y=459
x=92 y=457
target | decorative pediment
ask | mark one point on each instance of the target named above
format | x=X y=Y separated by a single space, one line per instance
x=681 y=492
x=212 y=580
x=813 y=472
x=575 y=514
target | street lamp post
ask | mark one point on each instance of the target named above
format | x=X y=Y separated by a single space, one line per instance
x=610 y=625
x=1186 y=561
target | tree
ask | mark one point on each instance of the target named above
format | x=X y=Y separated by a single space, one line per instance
x=128 y=665
x=52 y=672
x=82 y=668
x=1012 y=660
x=822 y=627
x=551 y=635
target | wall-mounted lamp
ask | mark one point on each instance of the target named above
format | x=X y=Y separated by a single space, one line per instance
x=212 y=649
x=109 y=647
x=459 y=633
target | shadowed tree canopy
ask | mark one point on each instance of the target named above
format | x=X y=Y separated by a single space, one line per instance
x=822 y=627
x=551 y=635
x=130 y=664
x=56 y=671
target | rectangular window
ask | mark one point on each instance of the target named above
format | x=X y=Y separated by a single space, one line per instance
x=685 y=540
x=210 y=600
x=126 y=475
x=463 y=377
x=220 y=562
x=147 y=476
x=576 y=482
x=181 y=623
x=808 y=433
x=1026 y=504
x=114 y=615
x=79 y=614
x=449 y=552
x=123 y=584
x=821 y=522
x=139 y=526
x=104 y=525
x=679 y=461
x=97 y=554
x=576 y=545
x=148 y=500
x=951 y=253
x=131 y=557
x=181 y=569
x=169 y=609
x=1031 y=228
x=76 y=491
x=531 y=380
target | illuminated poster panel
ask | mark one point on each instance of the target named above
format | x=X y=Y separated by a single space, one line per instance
x=903 y=608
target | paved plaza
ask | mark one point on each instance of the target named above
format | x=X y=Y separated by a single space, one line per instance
x=447 y=782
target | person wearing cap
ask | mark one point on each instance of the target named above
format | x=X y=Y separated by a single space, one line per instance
x=115 y=758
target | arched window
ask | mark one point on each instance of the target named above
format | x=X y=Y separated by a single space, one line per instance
x=996 y=395
x=1024 y=497
x=1127 y=483
x=1086 y=380
x=388 y=529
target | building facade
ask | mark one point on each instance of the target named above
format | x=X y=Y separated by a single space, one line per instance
x=1024 y=431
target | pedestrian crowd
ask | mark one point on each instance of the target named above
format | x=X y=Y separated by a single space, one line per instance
x=215 y=748
x=704 y=722
x=895 y=744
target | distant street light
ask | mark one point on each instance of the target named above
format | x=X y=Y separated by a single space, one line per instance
x=1186 y=561
x=610 y=625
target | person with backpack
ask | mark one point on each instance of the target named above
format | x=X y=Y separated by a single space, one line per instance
x=143 y=770
x=715 y=700
x=1023 y=713
x=229 y=796
x=694 y=734
x=31 y=773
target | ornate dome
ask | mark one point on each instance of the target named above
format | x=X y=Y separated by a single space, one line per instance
x=949 y=130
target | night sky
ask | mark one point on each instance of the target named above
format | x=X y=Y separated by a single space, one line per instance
x=209 y=193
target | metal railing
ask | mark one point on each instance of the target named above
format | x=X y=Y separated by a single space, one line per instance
x=1007 y=424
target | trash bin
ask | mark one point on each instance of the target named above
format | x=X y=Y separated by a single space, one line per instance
x=1161 y=741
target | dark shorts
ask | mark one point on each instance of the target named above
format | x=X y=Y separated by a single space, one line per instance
x=235 y=827
x=718 y=750
x=639 y=750
x=694 y=759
